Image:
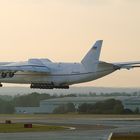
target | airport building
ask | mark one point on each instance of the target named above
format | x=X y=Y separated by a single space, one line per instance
x=47 y=106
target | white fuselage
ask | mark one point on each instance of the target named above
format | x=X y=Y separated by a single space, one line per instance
x=61 y=74
x=44 y=74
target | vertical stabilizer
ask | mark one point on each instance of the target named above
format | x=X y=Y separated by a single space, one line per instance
x=91 y=60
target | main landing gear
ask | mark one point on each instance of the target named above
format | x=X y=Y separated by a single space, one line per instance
x=48 y=86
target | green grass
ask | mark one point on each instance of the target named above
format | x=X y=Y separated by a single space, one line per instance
x=34 y=116
x=19 y=127
x=126 y=138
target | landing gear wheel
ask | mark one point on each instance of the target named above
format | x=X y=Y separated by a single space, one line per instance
x=1 y=85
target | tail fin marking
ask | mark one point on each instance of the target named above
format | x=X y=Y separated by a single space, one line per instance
x=91 y=60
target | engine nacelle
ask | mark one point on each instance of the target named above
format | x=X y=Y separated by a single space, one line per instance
x=7 y=74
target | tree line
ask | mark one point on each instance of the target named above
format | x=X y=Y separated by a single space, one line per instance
x=8 y=103
x=110 y=106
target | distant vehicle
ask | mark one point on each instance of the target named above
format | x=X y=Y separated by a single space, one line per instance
x=44 y=74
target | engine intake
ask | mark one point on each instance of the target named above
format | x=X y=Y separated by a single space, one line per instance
x=7 y=74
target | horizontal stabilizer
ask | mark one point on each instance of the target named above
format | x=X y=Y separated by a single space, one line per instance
x=127 y=65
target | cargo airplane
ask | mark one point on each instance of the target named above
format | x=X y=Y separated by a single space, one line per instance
x=45 y=74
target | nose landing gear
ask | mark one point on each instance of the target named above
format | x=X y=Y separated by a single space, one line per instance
x=1 y=85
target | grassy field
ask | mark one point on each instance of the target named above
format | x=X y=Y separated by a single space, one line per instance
x=72 y=115
x=129 y=136
x=19 y=127
x=18 y=121
x=47 y=116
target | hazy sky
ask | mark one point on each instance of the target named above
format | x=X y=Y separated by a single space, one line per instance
x=64 y=30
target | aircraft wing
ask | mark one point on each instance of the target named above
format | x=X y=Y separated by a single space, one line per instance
x=127 y=65
x=29 y=66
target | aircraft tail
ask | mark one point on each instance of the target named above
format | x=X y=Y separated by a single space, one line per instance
x=91 y=60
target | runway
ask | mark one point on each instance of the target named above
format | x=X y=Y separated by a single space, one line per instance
x=86 y=127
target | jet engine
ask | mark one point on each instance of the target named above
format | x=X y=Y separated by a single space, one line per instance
x=7 y=74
